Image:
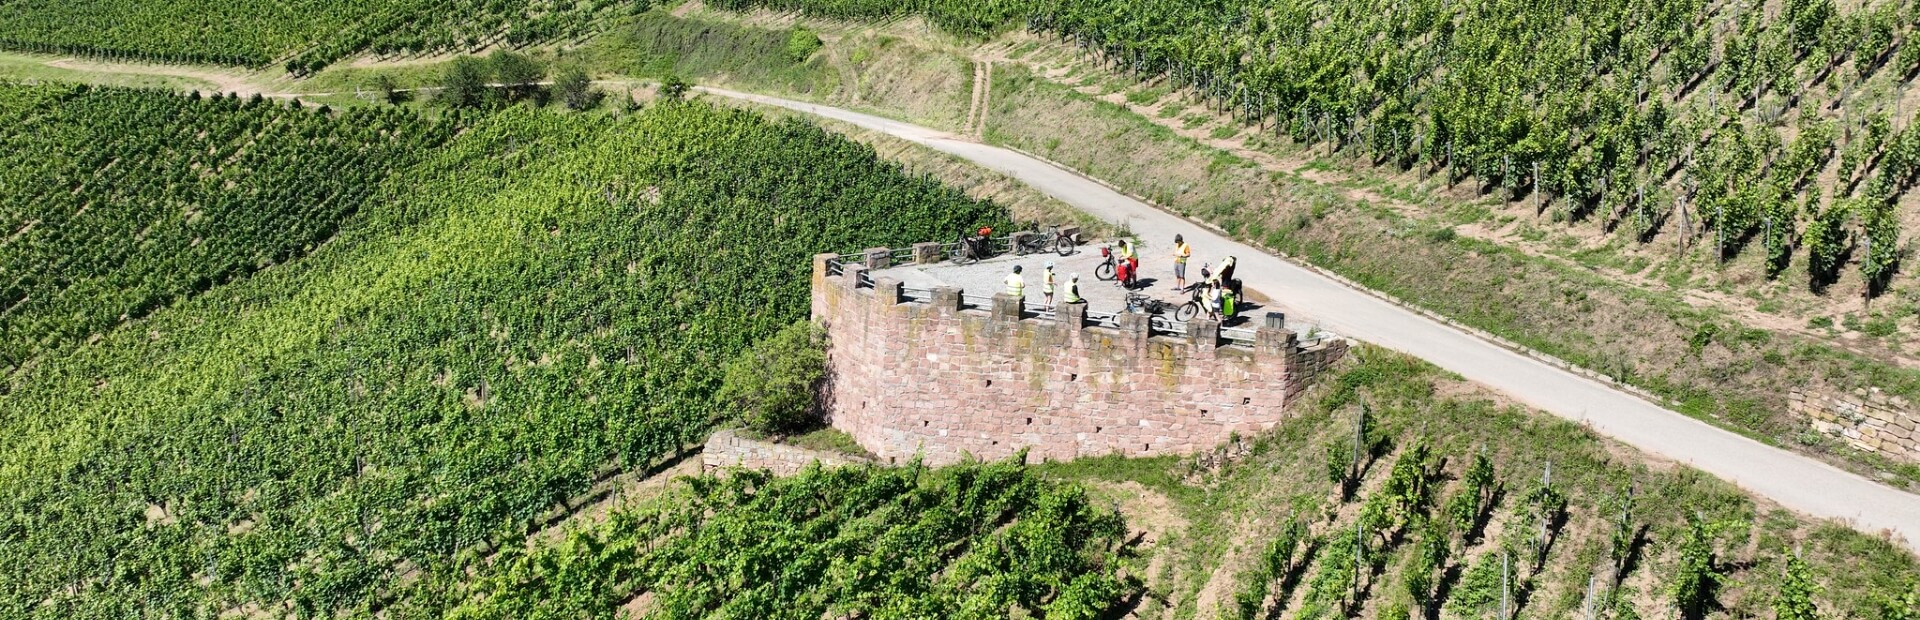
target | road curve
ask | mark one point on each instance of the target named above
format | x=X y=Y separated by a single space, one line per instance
x=1796 y=482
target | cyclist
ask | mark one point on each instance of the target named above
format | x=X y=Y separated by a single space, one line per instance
x=1016 y=285
x=1073 y=289
x=1132 y=261
x=1181 y=252
x=1046 y=285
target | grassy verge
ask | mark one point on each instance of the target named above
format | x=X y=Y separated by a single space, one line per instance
x=1710 y=364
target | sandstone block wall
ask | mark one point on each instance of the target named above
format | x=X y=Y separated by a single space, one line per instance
x=728 y=449
x=1867 y=419
x=928 y=377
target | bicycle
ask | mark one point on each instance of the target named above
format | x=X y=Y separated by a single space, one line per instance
x=1109 y=268
x=968 y=250
x=1196 y=302
x=1048 y=241
x=1137 y=302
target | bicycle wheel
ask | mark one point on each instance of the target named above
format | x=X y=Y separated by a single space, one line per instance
x=1104 y=271
x=1063 y=245
x=1187 y=311
x=961 y=257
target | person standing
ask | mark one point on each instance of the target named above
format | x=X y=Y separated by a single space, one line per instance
x=1226 y=274
x=1181 y=252
x=1016 y=285
x=1133 y=263
x=1046 y=286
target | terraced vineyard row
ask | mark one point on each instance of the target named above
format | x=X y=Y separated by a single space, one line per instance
x=117 y=202
x=541 y=298
x=1723 y=120
x=969 y=541
x=305 y=35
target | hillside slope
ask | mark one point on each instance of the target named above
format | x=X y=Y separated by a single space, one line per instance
x=547 y=296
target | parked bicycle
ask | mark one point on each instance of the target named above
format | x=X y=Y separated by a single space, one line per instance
x=1112 y=268
x=1137 y=302
x=1049 y=240
x=970 y=249
x=1196 y=302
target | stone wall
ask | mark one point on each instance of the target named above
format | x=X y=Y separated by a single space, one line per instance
x=934 y=378
x=728 y=449
x=1866 y=419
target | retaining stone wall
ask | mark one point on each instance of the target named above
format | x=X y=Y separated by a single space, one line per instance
x=728 y=449
x=1867 y=419
x=911 y=378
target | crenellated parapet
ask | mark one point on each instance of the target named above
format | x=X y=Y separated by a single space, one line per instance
x=946 y=373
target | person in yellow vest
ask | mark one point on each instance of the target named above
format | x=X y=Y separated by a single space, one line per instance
x=1073 y=289
x=1132 y=271
x=1016 y=285
x=1181 y=252
x=1046 y=285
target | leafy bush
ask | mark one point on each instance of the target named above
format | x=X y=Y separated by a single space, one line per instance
x=519 y=75
x=464 y=84
x=802 y=43
x=575 y=89
x=773 y=385
x=674 y=87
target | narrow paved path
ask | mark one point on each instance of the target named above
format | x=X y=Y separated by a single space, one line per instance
x=1796 y=482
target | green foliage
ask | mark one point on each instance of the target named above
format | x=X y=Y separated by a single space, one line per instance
x=519 y=75
x=1491 y=92
x=1793 y=597
x=575 y=89
x=1421 y=572
x=1620 y=539
x=674 y=88
x=1827 y=241
x=187 y=194
x=309 y=36
x=537 y=302
x=1465 y=510
x=1276 y=561
x=970 y=541
x=464 y=85
x=1478 y=592
x=1697 y=577
x=1904 y=605
x=1881 y=227
x=1335 y=577
x=802 y=43
x=773 y=385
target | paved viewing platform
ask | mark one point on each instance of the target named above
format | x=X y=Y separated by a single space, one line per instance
x=983 y=279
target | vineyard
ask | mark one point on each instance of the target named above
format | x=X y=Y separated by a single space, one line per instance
x=117 y=202
x=306 y=36
x=969 y=541
x=1397 y=493
x=1730 y=124
x=541 y=298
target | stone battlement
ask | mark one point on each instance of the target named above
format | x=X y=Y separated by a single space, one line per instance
x=946 y=374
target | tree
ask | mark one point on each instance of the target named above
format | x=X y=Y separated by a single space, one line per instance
x=674 y=87
x=465 y=83
x=389 y=91
x=575 y=89
x=519 y=74
x=772 y=384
